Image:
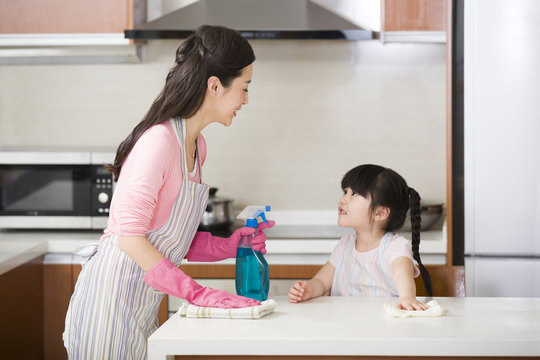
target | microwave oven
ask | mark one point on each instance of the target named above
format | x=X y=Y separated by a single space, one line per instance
x=55 y=189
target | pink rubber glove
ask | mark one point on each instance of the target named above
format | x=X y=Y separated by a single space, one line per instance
x=168 y=278
x=206 y=247
x=259 y=240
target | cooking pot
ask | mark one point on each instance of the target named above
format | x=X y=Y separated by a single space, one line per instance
x=218 y=213
x=429 y=215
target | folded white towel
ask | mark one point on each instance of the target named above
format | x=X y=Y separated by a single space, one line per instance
x=252 y=312
x=434 y=310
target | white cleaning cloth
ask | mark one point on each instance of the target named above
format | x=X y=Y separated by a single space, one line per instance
x=252 y=312
x=434 y=310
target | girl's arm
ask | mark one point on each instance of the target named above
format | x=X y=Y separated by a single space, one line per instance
x=318 y=286
x=403 y=276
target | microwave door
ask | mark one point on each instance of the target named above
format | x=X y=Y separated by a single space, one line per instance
x=33 y=195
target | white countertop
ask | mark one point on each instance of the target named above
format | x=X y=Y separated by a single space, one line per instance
x=17 y=248
x=358 y=326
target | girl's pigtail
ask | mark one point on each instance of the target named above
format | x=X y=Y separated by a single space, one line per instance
x=415 y=226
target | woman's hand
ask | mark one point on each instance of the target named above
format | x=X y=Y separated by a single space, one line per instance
x=206 y=247
x=258 y=242
x=410 y=303
x=300 y=291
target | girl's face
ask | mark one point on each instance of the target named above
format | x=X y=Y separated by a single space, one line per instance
x=232 y=98
x=354 y=211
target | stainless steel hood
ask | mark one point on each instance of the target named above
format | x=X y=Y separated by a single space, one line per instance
x=254 y=19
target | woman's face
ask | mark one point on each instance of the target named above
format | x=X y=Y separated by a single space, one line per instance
x=231 y=99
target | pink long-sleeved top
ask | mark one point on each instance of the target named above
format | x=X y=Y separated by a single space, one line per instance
x=149 y=182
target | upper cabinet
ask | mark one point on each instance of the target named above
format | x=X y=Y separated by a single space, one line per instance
x=414 y=20
x=396 y=20
x=68 y=31
x=65 y=16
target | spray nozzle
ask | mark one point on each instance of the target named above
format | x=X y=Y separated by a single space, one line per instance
x=251 y=213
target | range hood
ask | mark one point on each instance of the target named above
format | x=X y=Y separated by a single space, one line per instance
x=254 y=19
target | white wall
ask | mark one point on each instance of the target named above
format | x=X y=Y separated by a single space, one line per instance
x=317 y=109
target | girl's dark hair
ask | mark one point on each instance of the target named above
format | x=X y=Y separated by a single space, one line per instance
x=210 y=51
x=387 y=188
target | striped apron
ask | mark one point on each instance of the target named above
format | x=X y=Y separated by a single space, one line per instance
x=113 y=311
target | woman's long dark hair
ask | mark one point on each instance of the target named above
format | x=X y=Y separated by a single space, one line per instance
x=210 y=51
x=387 y=188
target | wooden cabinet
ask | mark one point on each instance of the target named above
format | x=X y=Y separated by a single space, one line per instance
x=68 y=31
x=205 y=271
x=414 y=20
x=57 y=290
x=21 y=312
x=414 y=15
x=446 y=280
x=65 y=16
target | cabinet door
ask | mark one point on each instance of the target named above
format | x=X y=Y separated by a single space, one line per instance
x=57 y=283
x=65 y=16
x=21 y=312
x=414 y=15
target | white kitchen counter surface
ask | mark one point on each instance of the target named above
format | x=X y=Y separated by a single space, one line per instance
x=17 y=248
x=358 y=326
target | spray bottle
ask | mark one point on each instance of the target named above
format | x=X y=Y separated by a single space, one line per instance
x=252 y=276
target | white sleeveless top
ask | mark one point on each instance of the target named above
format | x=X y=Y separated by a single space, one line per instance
x=368 y=273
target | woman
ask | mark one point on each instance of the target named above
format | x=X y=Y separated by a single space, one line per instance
x=158 y=203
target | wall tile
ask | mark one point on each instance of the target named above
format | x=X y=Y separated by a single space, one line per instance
x=317 y=109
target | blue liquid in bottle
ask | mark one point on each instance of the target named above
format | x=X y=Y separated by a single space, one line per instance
x=252 y=278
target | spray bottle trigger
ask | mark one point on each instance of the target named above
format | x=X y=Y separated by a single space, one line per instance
x=263 y=218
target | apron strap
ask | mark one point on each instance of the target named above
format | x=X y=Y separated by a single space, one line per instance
x=383 y=244
x=178 y=126
x=199 y=167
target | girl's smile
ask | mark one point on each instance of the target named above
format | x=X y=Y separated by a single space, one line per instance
x=353 y=210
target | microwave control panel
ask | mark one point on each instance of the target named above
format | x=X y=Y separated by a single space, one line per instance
x=102 y=190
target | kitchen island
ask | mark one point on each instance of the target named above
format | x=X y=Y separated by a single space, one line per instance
x=327 y=327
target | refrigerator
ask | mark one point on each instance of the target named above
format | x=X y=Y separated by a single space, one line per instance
x=501 y=147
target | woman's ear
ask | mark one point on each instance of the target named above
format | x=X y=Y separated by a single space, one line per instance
x=213 y=84
x=381 y=213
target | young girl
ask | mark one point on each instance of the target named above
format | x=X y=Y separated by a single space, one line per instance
x=375 y=261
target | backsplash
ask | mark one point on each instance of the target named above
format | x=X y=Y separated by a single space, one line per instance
x=316 y=109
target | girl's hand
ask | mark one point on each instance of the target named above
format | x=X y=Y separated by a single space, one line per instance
x=300 y=291
x=411 y=304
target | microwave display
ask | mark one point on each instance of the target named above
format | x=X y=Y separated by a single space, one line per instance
x=45 y=190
